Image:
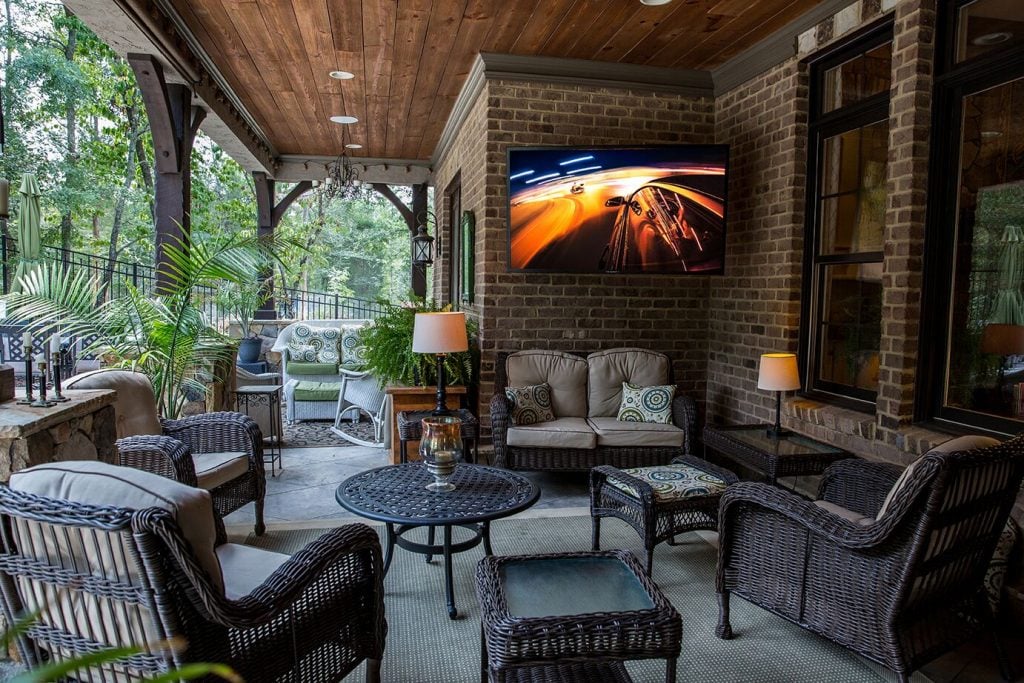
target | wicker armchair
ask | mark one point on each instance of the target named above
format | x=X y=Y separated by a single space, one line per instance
x=221 y=452
x=893 y=572
x=103 y=576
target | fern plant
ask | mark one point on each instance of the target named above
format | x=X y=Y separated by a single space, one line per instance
x=389 y=355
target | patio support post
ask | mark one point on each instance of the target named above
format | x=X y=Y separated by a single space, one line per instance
x=268 y=216
x=417 y=276
x=174 y=122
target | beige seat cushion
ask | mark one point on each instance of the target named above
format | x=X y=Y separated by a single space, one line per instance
x=135 y=406
x=563 y=432
x=607 y=370
x=846 y=514
x=963 y=443
x=612 y=432
x=673 y=482
x=245 y=568
x=565 y=373
x=98 y=483
x=214 y=469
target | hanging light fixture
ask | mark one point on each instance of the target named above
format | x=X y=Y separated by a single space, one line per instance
x=422 y=248
x=342 y=181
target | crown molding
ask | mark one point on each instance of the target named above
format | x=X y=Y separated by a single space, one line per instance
x=296 y=167
x=773 y=50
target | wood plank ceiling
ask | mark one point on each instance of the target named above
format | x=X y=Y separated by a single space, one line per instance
x=411 y=57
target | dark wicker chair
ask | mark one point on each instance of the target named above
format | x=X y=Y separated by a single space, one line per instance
x=656 y=520
x=684 y=416
x=315 y=618
x=900 y=590
x=174 y=450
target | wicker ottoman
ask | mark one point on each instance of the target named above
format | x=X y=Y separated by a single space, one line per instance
x=571 y=617
x=659 y=501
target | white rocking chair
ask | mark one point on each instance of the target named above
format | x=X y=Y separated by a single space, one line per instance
x=360 y=392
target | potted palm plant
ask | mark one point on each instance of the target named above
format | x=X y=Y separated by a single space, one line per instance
x=240 y=302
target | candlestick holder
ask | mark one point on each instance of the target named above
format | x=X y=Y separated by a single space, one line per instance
x=57 y=396
x=28 y=382
x=41 y=402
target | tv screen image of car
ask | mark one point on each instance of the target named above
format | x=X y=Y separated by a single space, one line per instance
x=618 y=210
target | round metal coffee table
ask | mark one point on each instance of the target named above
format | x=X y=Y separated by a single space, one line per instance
x=397 y=495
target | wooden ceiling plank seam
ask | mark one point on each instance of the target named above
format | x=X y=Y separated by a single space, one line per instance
x=281 y=22
x=506 y=27
x=346 y=25
x=582 y=15
x=215 y=19
x=540 y=25
x=408 y=56
x=389 y=125
x=445 y=18
x=313 y=19
x=377 y=62
x=679 y=21
x=614 y=15
x=632 y=33
x=765 y=27
x=355 y=100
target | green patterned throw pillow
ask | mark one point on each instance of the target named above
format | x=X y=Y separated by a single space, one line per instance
x=326 y=340
x=530 y=405
x=646 y=404
x=353 y=351
x=301 y=352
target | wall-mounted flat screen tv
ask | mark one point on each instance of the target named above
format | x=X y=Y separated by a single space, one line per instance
x=656 y=209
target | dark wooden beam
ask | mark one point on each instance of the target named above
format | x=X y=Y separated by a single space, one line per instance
x=174 y=122
x=407 y=215
x=268 y=216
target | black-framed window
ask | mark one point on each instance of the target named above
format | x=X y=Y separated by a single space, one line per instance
x=453 y=208
x=973 y=374
x=848 y=128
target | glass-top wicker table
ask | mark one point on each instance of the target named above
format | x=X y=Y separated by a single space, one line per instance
x=792 y=455
x=397 y=495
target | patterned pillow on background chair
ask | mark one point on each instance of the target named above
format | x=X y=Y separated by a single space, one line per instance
x=530 y=405
x=646 y=404
x=353 y=351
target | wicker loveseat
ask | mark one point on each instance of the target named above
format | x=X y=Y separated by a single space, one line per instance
x=586 y=391
x=889 y=565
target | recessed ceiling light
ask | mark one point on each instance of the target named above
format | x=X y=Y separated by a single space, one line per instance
x=342 y=75
x=654 y=3
x=992 y=38
x=990 y=134
x=344 y=119
x=353 y=145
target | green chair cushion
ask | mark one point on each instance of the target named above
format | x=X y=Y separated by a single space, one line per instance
x=296 y=367
x=673 y=482
x=316 y=391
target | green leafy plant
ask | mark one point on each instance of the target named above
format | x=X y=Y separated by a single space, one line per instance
x=164 y=335
x=61 y=669
x=389 y=352
x=240 y=301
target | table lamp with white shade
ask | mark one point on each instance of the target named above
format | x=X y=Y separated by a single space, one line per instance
x=440 y=334
x=778 y=372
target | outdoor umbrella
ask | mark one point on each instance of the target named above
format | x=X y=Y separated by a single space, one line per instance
x=1008 y=305
x=29 y=216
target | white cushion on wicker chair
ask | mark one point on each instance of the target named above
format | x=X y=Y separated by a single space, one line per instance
x=607 y=370
x=214 y=469
x=135 y=406
x=102 y=484
x=245 y=568
x=564 y=432
x=564 y=372
x=613 y=432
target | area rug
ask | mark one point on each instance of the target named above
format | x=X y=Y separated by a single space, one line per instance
x=423 y=645
x=317 y=434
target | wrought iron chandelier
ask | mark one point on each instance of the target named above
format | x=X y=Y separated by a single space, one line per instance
x=342 y=181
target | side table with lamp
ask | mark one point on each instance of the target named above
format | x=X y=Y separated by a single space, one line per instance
x=770 y=450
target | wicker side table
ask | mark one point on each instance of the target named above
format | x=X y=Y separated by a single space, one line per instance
x=572 y=617
x=410 y=428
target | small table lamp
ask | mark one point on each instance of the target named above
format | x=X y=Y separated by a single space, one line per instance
x=440 y=334
x=778 y=373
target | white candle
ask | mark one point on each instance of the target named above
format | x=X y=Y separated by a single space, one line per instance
x=55 y=343
x=41 y=359
x=26 y=342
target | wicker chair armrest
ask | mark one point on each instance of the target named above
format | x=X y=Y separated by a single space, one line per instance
x=217 y=432
x=160 y=455
x=499 y=427
x=684 y=416
x=354 y=550
x=725 y=475
x=603 y=473
x=858 y=485
x=753 y=496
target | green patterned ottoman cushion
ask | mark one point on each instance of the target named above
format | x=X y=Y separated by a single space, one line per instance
x=316 y=391
x=673 y=482
x=303 y=368
x=646 y=404
x=530 y=405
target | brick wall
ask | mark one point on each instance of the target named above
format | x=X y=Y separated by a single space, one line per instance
x=575 y=312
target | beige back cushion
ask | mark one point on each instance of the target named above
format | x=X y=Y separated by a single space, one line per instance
x=135 y=406
x=564 y=372
x=99 y=483
x=607 y=370
x=962 y=443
